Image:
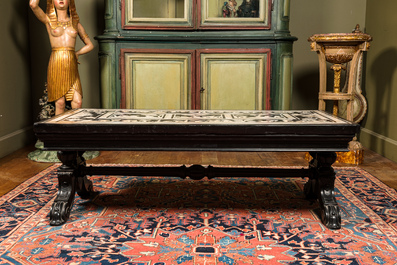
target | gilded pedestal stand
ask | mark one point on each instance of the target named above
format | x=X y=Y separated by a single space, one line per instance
x=344 y=51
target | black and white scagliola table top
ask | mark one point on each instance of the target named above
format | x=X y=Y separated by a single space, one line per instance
x=222 y=130
x=213 y=117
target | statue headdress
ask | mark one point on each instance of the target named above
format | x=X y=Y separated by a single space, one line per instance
x=51 y=13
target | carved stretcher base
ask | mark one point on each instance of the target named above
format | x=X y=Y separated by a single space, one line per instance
x=72 y=177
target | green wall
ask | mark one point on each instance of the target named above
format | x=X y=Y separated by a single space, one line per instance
x=15 y=92
x=379 y=131
x=309 y=17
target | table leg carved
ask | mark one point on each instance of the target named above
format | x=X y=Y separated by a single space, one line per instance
x=321 y=186
x=70 y=181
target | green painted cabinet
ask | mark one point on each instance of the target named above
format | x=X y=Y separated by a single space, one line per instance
x=196 y=54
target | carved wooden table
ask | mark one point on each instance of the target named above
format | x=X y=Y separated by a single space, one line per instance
x=80 y=130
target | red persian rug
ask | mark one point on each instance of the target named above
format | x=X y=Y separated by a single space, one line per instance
x=166 y=220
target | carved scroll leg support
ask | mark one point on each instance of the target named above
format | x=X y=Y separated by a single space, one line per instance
x=84 y=185
x=63 y=203
x=70 y=180
x=321 y=186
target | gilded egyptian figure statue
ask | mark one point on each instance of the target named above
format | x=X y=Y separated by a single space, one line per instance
x=63 y=26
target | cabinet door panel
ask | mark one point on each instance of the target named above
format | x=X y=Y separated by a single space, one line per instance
x=157 y=81
x=237 y=81
x=161 y=9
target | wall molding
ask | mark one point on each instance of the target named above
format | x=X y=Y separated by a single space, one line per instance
x=16 y=140
x=378 y=143
x=381 y=137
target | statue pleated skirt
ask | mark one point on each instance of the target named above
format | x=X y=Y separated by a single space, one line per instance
x=63 y=78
